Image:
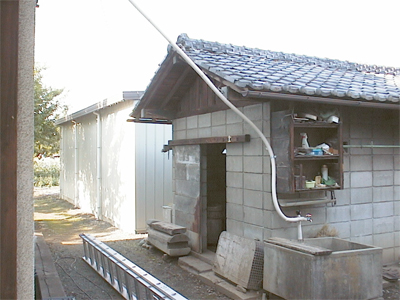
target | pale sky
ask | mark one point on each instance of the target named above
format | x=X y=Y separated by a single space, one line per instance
x=96 y=49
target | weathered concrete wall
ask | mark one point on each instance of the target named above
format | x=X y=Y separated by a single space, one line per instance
x=368 y=208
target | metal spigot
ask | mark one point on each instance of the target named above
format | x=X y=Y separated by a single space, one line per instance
x=308 y=216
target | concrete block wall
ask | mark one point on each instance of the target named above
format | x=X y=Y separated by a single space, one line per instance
x=367 y=209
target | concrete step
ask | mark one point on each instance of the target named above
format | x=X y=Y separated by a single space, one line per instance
x=207 y=256
x=228 y=288
x=194 y=264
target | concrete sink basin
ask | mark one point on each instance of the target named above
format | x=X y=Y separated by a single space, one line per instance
x=322 y=268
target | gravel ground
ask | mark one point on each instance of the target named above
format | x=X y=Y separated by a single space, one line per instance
x=61 y=223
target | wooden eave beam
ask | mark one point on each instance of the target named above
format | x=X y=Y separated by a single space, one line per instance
x=208 y=140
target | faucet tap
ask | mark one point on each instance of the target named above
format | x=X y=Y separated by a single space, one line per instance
x=308 y=216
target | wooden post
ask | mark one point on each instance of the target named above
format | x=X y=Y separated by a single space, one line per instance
x=9 y=31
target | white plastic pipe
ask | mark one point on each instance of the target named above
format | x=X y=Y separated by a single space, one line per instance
x=237 y=111
x=75 y=163
x=98 y=163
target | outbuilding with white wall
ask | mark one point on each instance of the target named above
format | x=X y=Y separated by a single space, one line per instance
x=113 y=168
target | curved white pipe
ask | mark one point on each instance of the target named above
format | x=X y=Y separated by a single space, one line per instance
x=237 y=111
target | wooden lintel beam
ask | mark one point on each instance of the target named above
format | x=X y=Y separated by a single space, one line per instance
x=212 y=140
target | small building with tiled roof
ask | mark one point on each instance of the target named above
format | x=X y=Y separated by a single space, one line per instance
x=317 y=113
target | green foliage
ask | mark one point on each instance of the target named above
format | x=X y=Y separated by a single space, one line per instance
x=46 y=172
x=47 y=108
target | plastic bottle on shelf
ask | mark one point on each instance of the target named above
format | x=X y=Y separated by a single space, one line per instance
x=324 y=171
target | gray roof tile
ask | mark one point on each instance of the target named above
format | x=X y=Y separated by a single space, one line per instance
x=265 y=70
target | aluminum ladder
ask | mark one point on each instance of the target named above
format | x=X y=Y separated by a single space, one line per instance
x=131 y=281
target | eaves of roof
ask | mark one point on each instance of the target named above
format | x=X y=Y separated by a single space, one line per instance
x=128 y=97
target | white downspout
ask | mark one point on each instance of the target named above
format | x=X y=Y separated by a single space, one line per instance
x=98 y=212
x=238 y=112
x=75 y=163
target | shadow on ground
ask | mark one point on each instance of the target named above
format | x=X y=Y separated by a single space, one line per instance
x=61 y=223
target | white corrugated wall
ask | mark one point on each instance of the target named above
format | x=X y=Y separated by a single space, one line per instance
x=136 y=177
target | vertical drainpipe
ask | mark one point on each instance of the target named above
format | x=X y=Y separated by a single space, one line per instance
x=98 y=212
x=75 y=164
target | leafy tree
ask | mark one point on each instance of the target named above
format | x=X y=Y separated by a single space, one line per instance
x=47 y=110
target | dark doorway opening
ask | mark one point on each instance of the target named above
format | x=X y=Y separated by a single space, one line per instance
x=216 y=193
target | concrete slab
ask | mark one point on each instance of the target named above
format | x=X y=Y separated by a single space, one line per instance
x=205 y=274
x=194 y=265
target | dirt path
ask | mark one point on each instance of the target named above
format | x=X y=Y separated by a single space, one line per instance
x=60 y=223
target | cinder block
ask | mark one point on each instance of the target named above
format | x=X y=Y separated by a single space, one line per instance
x=234 y=163
x=234 y=211
x=234 y=227
x=192 y=122
x=250 y=130
x=365 y=239
x=252 y=215
x=266 y=107
x=180 y=124
x=361 y=211
x=384 y=240
x=388 y=256
x=204 y=120
x=204 y=132
x=383 y=209
x=253 y=181
x=253 y=164
x=253 y=198
x=234 y=179
x=234 y=195
x=266 y=128
x=253 y=232
x=267 y=182
x=343 y=197
x=253 y=112
x=360 y=163
x=218 y=118
x=397 y=177
x=179 y=134
x=382 y=194
x=338 y=214
x=383 y=225
x=267 y=201
x=254 y=147
x=361 y=179
x=397 y=160
x=218 y=130
x=343 y=229
x=232 y=117
x=234 y=129
x=382 y=178
x=361 y=195
x=383 y=162
x=361 y=228
x=234 y=149
x=192 y=133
